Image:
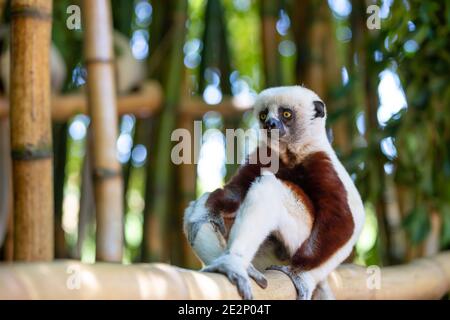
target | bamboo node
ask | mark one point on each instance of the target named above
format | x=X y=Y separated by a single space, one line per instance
x=104 y=173
x=99 y=61
x=28 y=12
x=29 y=154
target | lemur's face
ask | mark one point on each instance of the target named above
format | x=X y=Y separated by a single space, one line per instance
x=298 y=113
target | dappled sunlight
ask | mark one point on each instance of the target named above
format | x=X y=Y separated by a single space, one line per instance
x=392 y=97
x=369 y=234
x=209 y=288
x=211 y=165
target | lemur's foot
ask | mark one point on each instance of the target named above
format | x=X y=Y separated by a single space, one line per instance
x=234 y=269
x=302 y=281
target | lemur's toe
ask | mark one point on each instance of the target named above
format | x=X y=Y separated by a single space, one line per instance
x=257 y=276
x=239 y=279
x=303 y=288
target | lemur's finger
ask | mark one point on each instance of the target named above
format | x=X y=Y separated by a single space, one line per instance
x=257 y=276
x=241 y=282
x=243 y=286
x=217 y=221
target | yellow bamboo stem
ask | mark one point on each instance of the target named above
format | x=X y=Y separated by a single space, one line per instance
x=142 y=104
x=427 y=278
x=5 y=181
x=98 y=52
x=187 y=176
x=31 y=129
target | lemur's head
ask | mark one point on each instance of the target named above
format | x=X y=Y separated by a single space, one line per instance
x=297 y=112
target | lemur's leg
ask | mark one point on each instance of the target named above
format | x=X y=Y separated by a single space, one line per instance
x=306 y=281
x=205 y=233
x=264 y=210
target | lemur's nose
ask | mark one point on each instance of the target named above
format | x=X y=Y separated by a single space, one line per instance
x=272 y=123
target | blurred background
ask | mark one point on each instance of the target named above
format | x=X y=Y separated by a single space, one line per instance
x=387 y=91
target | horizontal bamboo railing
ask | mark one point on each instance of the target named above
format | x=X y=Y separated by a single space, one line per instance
x=426 y=278
x=143 y=103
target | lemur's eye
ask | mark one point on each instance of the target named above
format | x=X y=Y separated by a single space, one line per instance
x=287 y=114
x=262 y=116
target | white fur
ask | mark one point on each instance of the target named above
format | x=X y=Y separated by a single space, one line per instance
x=208 y=244
x=268 y=207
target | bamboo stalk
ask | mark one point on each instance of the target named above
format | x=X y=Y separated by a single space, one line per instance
x=427 y=278
x=215 y=53
x=31 y=129
x=187 y=181
x=5 y=179
x=143 y=103
x=98 y=52
x=87 y=201
x=59 y=165
x=270 y=40
x=8 y=252
x=158 y=211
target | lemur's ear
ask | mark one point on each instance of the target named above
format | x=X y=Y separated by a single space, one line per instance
x=319 y=107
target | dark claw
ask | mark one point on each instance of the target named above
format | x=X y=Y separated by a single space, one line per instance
x=299 y=284
x=257 y=276
x=215 y=220
x=193 y=229
x=218 y=222
x=243 y=287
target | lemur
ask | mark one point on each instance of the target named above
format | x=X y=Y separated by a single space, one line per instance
x=302 y=220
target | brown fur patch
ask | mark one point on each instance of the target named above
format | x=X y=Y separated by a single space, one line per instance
x=333 y=222
x=227 y=200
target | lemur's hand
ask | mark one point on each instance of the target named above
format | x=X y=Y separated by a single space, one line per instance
x=233 y=267
x=198 y=216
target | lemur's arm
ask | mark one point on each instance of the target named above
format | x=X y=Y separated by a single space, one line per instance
x=229 y=198
x=333 y=221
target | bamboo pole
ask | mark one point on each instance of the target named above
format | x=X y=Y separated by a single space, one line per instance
x=270 y=40
x=187 y=182
x=87 y=201
x=5 y=179
x=98 y=52
x=31 y=129
x=158 y=211
x=427 y=278
x=144 y=103
x=59 y=137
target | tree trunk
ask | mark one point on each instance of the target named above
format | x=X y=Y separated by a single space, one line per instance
x=31 y=140
x=103 y=110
